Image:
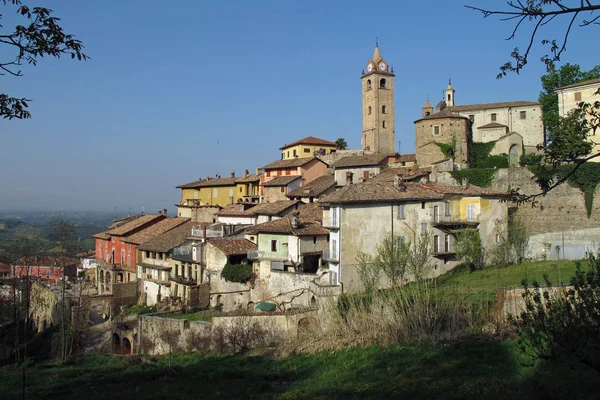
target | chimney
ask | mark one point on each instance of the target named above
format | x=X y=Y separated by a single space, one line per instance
x=165 y=212
x=349 y=176
x=295 y=221
x=465 y=183
x=233 y=174
x=245 y=173
x=257 y=170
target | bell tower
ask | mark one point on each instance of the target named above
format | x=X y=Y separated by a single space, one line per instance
x=378 y=134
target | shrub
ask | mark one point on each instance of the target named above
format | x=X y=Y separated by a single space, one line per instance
x=239 y=273
x=469 y=248
x=529 y=159
x=499 y=161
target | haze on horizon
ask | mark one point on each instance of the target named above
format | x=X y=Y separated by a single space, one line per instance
x=172 y=94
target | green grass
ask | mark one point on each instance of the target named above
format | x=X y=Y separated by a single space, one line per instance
x=483 y=284
x=193 y=316
x=462 y=371
x=138 y=309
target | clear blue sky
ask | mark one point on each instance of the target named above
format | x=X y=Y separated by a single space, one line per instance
x=175 y=91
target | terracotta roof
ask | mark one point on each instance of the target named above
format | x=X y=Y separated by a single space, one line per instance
x=283 y=180
x=4 y=268
x=123 y=220
x=231 y=247
x=311 y=140
x=274 y=208
x=314 y=188
x=407 y=158
x=309 y=218
x=124 y=229
x=249 y=178
x=210 y=183
x=408 y=173
x=493 y=125
x=155 y=230
x=295 y=162
x=584 y=83
x=360 y=161
x=445 y=113
x=484 y=106
x=235 y=210
x=168 y=240
x=373 y=191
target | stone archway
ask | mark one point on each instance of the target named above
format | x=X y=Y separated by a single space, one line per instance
x=116 y=344
x=126 y=346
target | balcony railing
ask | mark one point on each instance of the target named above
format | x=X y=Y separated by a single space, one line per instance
x=331 y=223
x=455 y=220
x=329 y=256
x=267 y=255
x=182 y=280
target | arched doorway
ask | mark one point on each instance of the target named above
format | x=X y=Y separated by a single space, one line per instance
x=513 y=156
x=116 y=344
x=120 y=278
x=126 y=346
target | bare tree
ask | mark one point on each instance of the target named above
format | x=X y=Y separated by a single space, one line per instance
x=542 y=13
x=38 y=36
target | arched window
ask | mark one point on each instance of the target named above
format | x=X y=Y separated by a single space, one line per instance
x=449 y=96
x=383 y=109
x=369 y=84
x=383 y=124
x=369 y=110
x=382 y=83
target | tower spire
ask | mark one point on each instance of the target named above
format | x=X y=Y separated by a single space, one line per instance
x=376 y=54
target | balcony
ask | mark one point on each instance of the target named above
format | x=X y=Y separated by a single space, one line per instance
x=210 y=233
x=183 y=280
x=267 y=255
x=329 y=256
x=331 y=223
x=451 y=222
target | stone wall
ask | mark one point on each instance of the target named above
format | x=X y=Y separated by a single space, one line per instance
x=124 y=295
x=428 y=152
x=156 y=330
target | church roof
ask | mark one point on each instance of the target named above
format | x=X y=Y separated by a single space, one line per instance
x=493 y=125
x=485 y=106
x=442 y=114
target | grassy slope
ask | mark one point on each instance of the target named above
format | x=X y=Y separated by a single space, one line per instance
x=473 y=370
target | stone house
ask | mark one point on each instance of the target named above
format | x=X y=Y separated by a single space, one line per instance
x=277 y=189
x=240 y=215
x=443 y=127
x=360 y=168
x=570 y=96
x=312 y=191
x=360 y=216
x=307 y=147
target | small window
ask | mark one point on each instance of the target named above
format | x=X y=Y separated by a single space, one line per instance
x=288 y=154
x=369 y=84
x=282 y=189
x=365 y=175
x=314 y=240
x=274 y=246
x=401 y=211
x=382 y=84
x=472 y=118
x=369 y=111
x=422 y=205
x=447 y=213
x=279 y=173
x=268 y=173
x=493 y=117
x=436 y=243
x=240 y=189
x=295 y=153
x=283 y=155
x=577 y=96
x=306 y=150
x=449 y=97
x=383 y=110
x=288 y=172
x=436 y=130
x=383 y=124
x=215 y=192
x=423 y=228
x=523 y=114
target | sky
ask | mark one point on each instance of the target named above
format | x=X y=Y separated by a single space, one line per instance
x=177 y=91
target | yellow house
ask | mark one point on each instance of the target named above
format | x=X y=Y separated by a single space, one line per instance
x=210 y=191
x=569 y=98
x=247 y=188
x=308 y=147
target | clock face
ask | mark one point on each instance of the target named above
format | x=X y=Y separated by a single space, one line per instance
x=382 y=66
x=370 y=67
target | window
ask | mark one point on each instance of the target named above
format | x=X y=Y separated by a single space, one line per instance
x=268 y=173
x=314 y=240
x=288 y=154
x=306 y=150
x=333 y=214
x=383 y=110
x=423 y=228
x=447 y=213
x=577 y=96
x=195 y=195
x=369 y=84
x=470 y=212
x=493 y=117
x=449 y=97
x=383 y=124
x=279 y=173
x=472 y=118
x=365 y=175
x=369 y=111
x=436 y=243
x=215 y=192
x=422 y=205
x=283 y=155
x=282 y=189
x=401 y=211
x=295 y=153
x=334 y=248
x=436 y=214
x=447 y=243
x=436 y=130
x=382 y=83
x=288 y=172
x=240 y=189
x=523 y=114
x=274 y=246
x=112 y=238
